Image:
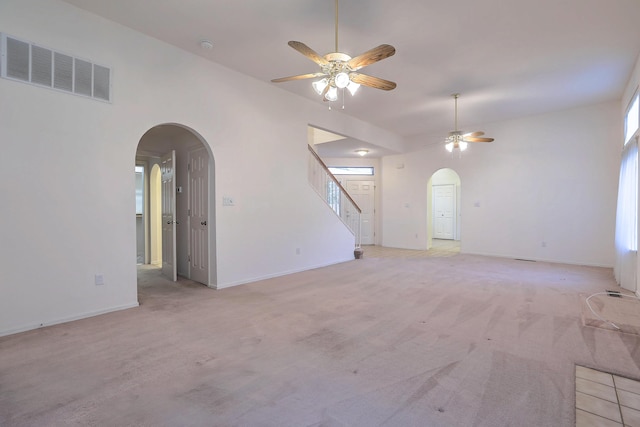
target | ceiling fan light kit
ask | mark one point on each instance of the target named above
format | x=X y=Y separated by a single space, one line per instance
x=338 y=70
x=458 y=140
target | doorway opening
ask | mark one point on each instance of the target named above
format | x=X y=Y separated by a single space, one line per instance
x=175 y=167
x=443 y=209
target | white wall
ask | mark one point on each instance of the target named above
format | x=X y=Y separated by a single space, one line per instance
x=68 y=188
x=550 y=178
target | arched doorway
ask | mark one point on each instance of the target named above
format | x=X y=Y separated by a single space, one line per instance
x=178 y=203
x=443 y=209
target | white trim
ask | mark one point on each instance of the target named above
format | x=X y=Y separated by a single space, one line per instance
x=80 y=316
x=284 y=273
x=535 y=259
x=634 y=99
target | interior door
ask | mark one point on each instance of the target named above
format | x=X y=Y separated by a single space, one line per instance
x=363 y=193
x=199 y=216
x=444 y=199
x=169 y=260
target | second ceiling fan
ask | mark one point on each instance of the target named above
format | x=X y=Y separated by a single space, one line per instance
x=458 y=140
x=339 y=71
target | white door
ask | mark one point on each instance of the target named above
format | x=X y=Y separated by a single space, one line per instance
x=444 y=199
x=363 y=193
x=169 y=261
x=199 y=216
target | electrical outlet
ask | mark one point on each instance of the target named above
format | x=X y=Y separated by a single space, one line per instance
x=297 y=251
x=99 y=279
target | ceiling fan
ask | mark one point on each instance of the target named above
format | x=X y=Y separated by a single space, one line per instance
x=458 y=140
x=338 y=70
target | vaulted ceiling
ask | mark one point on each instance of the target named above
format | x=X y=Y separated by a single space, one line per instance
x=507 y=58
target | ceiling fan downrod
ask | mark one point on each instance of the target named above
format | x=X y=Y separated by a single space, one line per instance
x=337 y=26
x=455 y=120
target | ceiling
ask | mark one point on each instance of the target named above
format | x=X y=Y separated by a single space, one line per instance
x=508 y=59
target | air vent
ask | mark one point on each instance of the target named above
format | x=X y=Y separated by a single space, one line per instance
x=37 y=65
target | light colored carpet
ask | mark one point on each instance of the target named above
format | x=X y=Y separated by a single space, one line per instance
x=620 y=314
x=440 y=248
x=433 y=341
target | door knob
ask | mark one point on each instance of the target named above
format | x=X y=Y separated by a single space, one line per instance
x=203 y=223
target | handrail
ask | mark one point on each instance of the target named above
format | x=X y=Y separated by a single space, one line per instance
x=333 y=178
x=335 y=195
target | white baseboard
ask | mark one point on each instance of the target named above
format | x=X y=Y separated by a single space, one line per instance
x=57 y=321
x=283 y=273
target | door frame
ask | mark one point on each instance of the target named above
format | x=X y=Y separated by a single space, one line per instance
x=454 y=178
x=151 y=152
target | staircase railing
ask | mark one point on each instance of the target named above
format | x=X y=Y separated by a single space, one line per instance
x=334 y=194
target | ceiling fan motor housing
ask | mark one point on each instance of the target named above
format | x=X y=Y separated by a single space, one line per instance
x=338 y=64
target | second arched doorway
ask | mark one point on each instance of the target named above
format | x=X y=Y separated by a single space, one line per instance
x=444 y=191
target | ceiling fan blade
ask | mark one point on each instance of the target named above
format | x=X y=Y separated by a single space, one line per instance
x=473 y=134
x=308 y=52
x=298 y=77
x=472 y=139
x=374 y=82
x=373 y=55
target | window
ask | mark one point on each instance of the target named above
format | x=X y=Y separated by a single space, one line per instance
x=631 y=119
x=351 y=170
x=139 y=189
x=333 y=196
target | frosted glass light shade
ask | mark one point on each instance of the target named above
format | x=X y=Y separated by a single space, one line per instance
x=342 y=80
x=449 y=147
x=352 y=87
x=332 y=94
x=320 y=85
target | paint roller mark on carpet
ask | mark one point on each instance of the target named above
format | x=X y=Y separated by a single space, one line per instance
x=496 y=317
x=406 y=335
x=423 y=390
x=633 y=346
x=327 y=340
x=527 y=320
x=561 y=325
x=589 y=339
x=207 y=394
x=515 y=382
x=448 y=303
x=471 y=310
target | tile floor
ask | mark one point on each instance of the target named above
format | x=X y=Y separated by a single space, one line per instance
x=603 y=399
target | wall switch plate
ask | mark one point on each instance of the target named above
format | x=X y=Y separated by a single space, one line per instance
x=227 y=201
x=99 y=279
